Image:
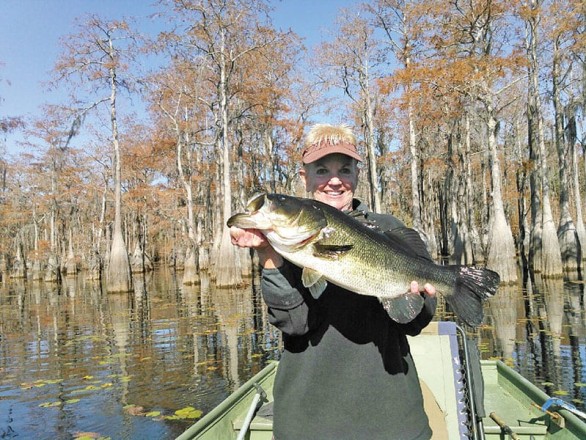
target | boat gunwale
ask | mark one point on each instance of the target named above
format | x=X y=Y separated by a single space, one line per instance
x=242 y=393
x=573 y=423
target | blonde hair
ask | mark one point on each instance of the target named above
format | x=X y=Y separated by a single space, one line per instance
x=330 y=134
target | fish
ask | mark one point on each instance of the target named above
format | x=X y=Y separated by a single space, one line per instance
x=331 y=246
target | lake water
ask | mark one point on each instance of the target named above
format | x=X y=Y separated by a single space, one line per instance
x=78 y=362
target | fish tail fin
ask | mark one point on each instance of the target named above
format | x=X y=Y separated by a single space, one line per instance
x=473 y=286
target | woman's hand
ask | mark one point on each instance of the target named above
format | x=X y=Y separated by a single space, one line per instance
x=248 y=238
x=253 y=238
x=428 y=289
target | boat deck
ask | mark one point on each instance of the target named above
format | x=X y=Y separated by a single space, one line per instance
x=501 y=398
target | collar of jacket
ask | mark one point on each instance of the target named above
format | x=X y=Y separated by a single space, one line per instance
x=359 y=209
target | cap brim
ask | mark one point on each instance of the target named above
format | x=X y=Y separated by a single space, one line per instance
x=318 y=153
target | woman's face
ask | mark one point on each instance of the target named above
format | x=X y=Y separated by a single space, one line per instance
x=332 y=180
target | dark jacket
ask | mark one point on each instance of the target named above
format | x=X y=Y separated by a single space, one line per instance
x=346 y=371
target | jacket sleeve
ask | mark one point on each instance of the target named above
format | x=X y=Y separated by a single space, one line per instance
x=291 y=307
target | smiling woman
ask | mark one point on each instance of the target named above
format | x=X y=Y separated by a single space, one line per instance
x=330 y=165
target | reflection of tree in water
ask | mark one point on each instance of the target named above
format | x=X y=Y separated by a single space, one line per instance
x=70 y=286
x=574 y=289
x=503 y=311
x=140 y=310
x=550 y=311
x=529 y=357
x=118 y=312
x=266 y=337
x=234 y=311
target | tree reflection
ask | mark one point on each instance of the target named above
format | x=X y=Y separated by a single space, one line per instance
x=575 y=314
x=166 y=346
x=551 y=314
x=504 y=311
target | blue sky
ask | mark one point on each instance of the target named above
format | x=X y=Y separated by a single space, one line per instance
x=30 y=31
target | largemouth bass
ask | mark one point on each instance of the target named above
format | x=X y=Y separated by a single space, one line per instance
x=332 y=246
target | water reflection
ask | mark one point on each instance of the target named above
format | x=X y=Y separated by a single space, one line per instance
x=575 y=315
x=540 y=330
x=505 y=308
x=75 y=359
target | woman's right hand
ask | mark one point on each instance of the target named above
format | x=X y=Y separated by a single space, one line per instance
x=253 y=238
x=248 y=238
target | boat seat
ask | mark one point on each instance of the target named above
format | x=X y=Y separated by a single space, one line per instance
x=437 y=418
x=442 y=384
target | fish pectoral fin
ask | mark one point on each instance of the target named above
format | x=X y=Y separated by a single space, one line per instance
x=314 y=281
x=330 y=251
x=403 y=308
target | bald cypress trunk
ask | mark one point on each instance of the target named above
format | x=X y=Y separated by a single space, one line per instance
x=567 y=234
x=546 y=248
x=119 y=277
x=501 y=246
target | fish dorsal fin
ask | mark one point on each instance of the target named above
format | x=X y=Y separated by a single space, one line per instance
x=314 y=281
x=403 y=308
x=408 y=241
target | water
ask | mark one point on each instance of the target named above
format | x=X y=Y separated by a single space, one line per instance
x=77 y=361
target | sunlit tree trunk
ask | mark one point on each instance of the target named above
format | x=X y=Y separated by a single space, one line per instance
x=548 y=258
x=227 y=264
x=119 y=278
x=414 y=151
x=190 y=265
x=501 y=246
x=370 y=142
x=567 y=235
x=52 y=272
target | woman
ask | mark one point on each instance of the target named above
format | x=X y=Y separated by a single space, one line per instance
x=346 y=371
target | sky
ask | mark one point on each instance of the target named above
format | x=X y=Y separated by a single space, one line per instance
x=31 y=30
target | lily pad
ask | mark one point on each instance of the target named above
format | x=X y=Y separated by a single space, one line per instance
x=50 y=404
x=188 y=412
